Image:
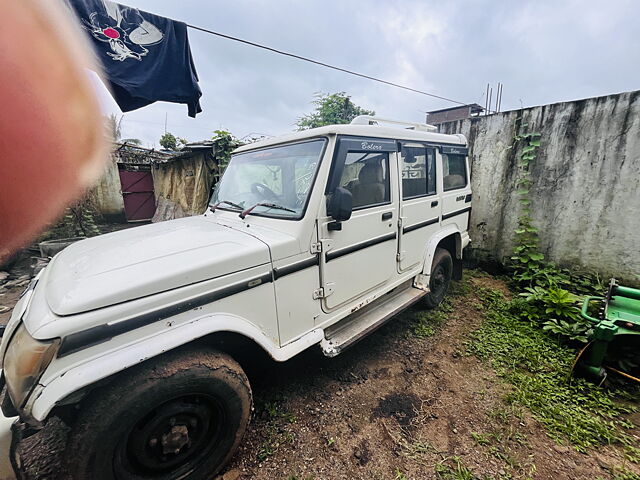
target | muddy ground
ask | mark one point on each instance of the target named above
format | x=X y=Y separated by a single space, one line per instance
x=394 y=406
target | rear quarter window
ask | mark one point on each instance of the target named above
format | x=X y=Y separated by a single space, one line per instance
x=454 y=171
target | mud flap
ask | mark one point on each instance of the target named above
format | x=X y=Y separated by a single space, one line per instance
x=19 y=431
x=457 y=269
x=421 y=282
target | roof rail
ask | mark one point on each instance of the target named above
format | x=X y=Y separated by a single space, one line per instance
x=370 y=120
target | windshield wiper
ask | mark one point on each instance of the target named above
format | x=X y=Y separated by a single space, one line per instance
x=265 y=204
x=226 y=202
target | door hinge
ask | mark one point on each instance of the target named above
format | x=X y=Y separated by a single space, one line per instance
x=323 y=292
x=321 y=246
x=400 y=256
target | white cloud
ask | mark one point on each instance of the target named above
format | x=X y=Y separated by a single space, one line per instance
x=543 y=51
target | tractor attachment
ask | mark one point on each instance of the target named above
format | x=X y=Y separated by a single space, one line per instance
x=614 y=343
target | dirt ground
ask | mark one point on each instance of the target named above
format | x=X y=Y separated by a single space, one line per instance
x=396 y=407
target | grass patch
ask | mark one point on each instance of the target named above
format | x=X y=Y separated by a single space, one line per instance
x=426 y=323
x=572 y=410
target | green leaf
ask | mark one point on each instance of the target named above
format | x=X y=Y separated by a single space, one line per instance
x=536 y=256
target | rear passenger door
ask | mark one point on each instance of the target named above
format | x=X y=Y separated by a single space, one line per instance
x=456 y=187
x=419 y=204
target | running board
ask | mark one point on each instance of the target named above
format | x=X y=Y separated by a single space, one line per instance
x=349 y=330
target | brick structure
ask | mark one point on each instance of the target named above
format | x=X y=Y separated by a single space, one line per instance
x=452 y=114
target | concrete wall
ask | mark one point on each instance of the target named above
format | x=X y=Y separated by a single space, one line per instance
x=108 y=193
x=586 y=182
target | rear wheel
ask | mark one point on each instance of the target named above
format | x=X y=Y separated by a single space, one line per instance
x=440 y=279
x=180 y=417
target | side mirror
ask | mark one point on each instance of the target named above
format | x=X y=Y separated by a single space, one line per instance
x=340 y=205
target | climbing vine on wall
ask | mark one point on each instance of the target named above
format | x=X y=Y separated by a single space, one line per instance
x=549 y=292
x=527 y=259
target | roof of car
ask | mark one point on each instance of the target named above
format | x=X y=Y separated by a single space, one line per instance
x=372 y=131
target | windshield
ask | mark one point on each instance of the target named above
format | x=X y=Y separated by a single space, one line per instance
x=280 y=176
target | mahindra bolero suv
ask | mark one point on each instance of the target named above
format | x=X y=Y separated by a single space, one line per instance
x=138 y=338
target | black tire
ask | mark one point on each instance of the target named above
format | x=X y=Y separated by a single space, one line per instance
x=440 y=279
x=181 y=416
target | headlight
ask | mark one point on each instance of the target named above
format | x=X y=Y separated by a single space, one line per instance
x=25 y=361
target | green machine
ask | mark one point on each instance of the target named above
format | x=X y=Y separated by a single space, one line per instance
x=615 y=340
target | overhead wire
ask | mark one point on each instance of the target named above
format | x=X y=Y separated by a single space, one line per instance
x=317 y=62
x=323 y=64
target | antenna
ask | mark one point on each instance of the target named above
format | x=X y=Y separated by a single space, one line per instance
x=486 y=101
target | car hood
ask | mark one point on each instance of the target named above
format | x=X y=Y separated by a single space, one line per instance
x=141 y=261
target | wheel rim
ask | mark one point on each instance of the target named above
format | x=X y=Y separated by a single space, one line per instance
x=439 y=280
x=175 y=436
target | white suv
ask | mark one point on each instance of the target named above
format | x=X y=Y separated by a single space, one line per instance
x=136 y=338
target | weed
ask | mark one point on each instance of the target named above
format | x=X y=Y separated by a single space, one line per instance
x=400 y=475
x=265 y=451
x=557 y=310
x=416 y=450
x=537 y=367
x=275 y=412
x=481 y=439
x=275 y=434
x=506 y=413
x=621 y=473
x=452 y=468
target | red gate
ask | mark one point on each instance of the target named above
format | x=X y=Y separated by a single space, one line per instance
x=137 y=192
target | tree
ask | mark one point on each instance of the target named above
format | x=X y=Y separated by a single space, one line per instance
x=113 y=126
x=225 y=144
x=169 y=141
x=331 y=109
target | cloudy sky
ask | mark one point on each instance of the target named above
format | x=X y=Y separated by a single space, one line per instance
x=543 y=51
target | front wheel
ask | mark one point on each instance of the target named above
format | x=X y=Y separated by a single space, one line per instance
x=181 y=416
x=440 y=279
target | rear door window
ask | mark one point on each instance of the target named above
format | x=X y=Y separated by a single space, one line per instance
x=418 y=172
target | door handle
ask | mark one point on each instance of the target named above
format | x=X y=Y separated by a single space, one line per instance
x=434 y=203
x=387 y=216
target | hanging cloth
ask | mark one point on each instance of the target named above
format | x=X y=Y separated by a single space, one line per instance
x=146 y=58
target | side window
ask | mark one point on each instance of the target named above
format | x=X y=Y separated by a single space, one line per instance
x=366 y=176
x=454 y=171
x=418 y=172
